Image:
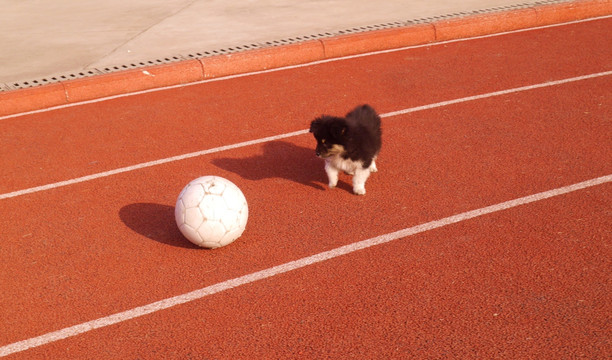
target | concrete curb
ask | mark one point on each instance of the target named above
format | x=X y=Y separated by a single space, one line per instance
x=182 y=72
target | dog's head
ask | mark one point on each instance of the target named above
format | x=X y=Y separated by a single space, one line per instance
x=330 y=133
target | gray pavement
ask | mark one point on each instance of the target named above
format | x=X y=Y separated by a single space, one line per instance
x=40 y=39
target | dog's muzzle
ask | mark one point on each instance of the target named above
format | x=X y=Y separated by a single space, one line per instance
x=322 y=154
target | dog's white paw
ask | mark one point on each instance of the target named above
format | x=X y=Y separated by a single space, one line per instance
x=373 y=167
x=332 y=184
x=359 y=190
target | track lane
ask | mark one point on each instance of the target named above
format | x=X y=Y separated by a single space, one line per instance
x=432 y=294
x=84 y=247
x=124 y=131
x=91 y=248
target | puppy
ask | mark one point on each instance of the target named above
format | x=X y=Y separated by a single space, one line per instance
x=350 y=144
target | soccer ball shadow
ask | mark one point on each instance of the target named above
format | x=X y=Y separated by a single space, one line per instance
x=156 y=222
x=280 y=159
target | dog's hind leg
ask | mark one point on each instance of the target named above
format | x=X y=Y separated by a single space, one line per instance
x=373 y=167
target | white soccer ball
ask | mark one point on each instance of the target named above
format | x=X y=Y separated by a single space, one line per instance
x=211 y=211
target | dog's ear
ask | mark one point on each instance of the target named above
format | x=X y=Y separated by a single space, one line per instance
x=315 y=124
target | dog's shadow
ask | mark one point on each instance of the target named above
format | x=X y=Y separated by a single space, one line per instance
x=156 y=222
x=279 y=160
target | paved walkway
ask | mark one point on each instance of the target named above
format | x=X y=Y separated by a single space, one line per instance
x=41 y=39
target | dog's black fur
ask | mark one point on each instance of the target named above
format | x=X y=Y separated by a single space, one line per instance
x=350 y=144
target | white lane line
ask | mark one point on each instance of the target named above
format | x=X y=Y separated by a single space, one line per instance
x=147 y=164
x=303 y=65
x=289 y=266
x=291 y=134
x=499 y=93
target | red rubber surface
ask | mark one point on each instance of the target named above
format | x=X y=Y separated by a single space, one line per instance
x=529 y=282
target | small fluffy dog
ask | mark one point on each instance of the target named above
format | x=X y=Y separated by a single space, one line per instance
x=350 y=144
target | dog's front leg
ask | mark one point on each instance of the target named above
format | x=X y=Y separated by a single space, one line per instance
x=359 y=179
x=332 y=174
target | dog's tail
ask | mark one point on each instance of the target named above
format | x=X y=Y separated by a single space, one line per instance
x=365 y=115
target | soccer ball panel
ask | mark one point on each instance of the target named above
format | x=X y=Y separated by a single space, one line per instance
x=211 y=233
x=233 y=198
x=191 y=234
x=229 y=219
x=212 y=207
x=231 y=235
x=193 y=217
x=243 y=216
x=192 y=195
x=179 y=212
x=215 y=186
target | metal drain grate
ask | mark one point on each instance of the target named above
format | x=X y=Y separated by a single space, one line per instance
x=230 y=50
x=246 y=47
x=51 y=79
x=139 y=64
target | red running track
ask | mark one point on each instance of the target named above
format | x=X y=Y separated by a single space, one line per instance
x=529 y=281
